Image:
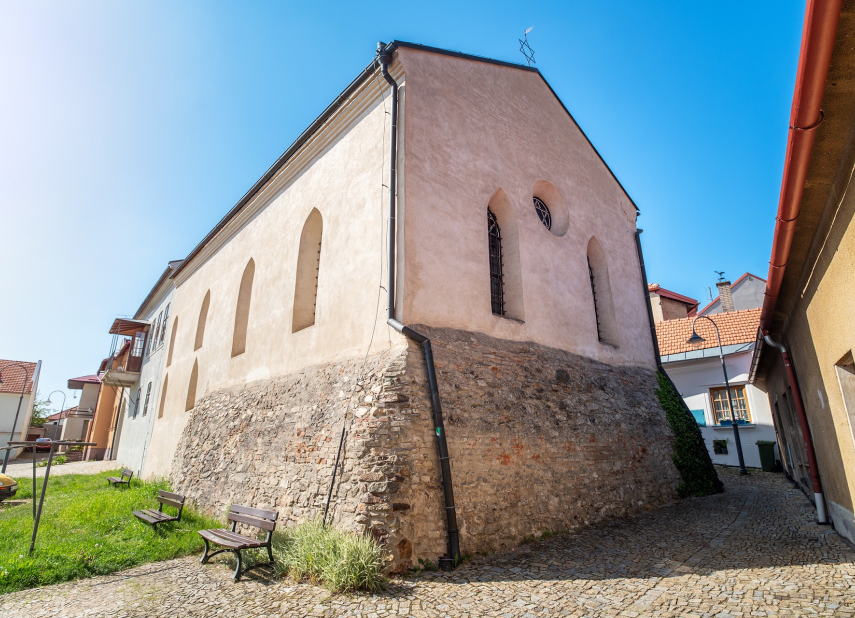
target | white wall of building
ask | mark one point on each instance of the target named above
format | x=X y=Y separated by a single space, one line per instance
x=695 y=378
x=137 y=424
x=8 y=408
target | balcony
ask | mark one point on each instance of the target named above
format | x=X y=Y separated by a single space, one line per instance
x=123 y=368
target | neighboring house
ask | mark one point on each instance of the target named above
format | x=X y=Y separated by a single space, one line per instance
x=746 y=293
x=65 y=425
x=154 y=318
x=810 y=291
x=698 y=376
x=16 y=376
x=668 y=305
x=509 y=243
x=117 y=375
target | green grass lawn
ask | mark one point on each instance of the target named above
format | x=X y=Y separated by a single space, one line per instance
x=87 y=529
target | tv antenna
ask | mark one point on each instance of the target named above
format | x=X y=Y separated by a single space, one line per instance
x=720 y=274
x=526 y=49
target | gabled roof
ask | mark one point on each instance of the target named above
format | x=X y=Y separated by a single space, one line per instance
x=77 y=383
x=733 y=285
x=735 y=327
x=13 y=378
x=367 y=74
x=691 y=302
x=61 y=415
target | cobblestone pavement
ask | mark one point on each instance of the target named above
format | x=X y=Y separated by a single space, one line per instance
x=753 y=551
x=23 y=471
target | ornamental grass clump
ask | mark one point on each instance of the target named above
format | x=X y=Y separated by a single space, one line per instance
x=338 y=560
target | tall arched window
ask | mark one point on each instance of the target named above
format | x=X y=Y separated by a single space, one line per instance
x=308 y=266
x=497 y=291
x=242 y=310
x=191 y=387
x=203 y=318
x=172 y=342
x=601 y=293
x=163 y=397
x=506 y=294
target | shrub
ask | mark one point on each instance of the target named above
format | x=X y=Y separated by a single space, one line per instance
x=690 y=453
x=341 y=561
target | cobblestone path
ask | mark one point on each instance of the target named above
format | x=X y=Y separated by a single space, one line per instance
x=753 y=551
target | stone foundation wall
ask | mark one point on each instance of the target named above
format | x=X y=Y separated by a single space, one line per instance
x=539 y=439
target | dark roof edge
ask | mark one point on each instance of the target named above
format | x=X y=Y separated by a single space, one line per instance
x=317 y=123
x=167 y=274
x=333 y=107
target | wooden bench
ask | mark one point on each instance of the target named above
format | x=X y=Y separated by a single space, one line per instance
x=116 y=480
x=150 y=516
x=235 y=543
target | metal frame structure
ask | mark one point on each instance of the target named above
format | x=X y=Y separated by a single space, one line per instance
x=37 y=513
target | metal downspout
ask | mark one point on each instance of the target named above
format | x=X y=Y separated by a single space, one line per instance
x=821 y=516
x=384 y=56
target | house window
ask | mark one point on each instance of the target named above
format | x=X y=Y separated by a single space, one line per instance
x=163 y=326
x=721 y=409
x=497 y=293
x=543 y=213
x=139 y=344
x=308 y=271
x=147 y=395
x=136 y=404
x=594 y=294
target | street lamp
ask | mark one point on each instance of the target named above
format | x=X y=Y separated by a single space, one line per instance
x=17 y=412
x=696 y=341
x=61 y=407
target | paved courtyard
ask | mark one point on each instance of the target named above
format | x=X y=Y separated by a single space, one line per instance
x=753 y=551
x=22 y=468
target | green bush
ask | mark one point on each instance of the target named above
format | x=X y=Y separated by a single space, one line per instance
x=341 y=561
x=690 y=453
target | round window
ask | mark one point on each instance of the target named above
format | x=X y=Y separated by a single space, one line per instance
x=543 y=213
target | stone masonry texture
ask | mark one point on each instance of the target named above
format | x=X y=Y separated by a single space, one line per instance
x=540 y=440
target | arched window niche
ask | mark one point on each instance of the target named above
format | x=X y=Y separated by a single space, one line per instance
x=163 y=397
x=601 y=293
x=242 y=309
x=191 y=387
x=506 y=292
x=203 y=319
x=308 y=267
x=172 y=341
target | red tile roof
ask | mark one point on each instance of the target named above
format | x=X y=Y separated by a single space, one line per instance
x=63 y=414
x=13 y=378
x=77 y=383
x=735 y=327
x=655 y=287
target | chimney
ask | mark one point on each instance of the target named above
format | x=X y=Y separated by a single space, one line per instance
x=725 y=296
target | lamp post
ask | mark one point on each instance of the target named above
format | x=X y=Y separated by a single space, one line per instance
x=696 y=341
x=17 y=412
x=62 y=407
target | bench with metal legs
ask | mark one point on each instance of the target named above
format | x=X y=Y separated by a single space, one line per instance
x=231 y=541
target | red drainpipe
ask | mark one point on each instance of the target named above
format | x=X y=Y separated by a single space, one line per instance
x=820 y=27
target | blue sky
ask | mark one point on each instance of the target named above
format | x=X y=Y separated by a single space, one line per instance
x=128 y=129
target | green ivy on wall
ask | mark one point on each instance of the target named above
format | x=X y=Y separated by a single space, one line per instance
x=690 y=453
